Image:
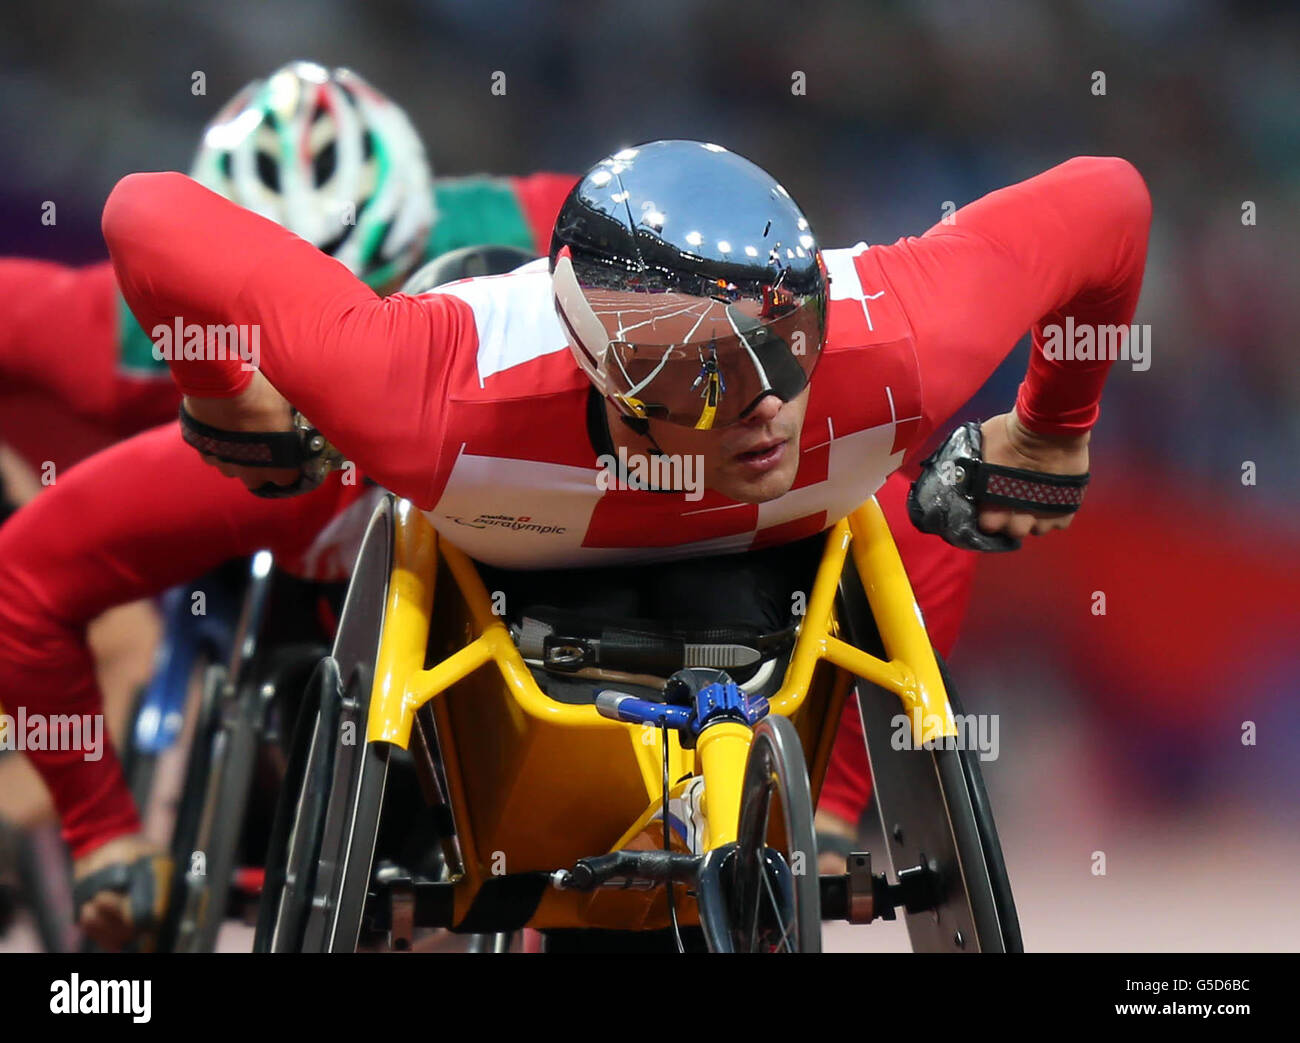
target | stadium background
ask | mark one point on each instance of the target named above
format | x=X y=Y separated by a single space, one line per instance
x=1119 y=733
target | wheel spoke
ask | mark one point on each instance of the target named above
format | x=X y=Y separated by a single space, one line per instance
x=776 y=908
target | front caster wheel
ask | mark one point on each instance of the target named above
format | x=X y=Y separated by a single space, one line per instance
x=774 y=900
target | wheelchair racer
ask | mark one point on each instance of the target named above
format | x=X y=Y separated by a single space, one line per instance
x=662 y=221
x=655 y=288
x=519 y=426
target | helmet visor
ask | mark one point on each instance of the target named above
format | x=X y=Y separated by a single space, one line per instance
x=708 y=363
x=696 y=361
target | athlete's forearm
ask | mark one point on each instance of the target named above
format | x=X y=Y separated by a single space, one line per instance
x=25 y=288
x=183 y=252
x=130 y=522
x=1069 y=242
x=369 y=372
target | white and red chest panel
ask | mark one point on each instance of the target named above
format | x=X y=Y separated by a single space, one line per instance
x=517 y=485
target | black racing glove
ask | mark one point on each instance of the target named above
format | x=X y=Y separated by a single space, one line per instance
x=955 y=481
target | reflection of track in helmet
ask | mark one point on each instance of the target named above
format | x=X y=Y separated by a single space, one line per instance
x=655 y=345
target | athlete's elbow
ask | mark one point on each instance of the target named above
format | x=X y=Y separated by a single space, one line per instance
x=136 y=203
x=1132 y=197
x=1122 y=193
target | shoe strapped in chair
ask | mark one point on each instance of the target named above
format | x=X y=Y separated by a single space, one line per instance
x=575 y=644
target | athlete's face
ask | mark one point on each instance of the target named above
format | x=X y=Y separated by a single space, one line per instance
x=753 y=460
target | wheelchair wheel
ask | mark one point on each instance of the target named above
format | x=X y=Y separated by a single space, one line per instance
x=775 y=895
x=935 y=813
x=189 y=808
x=1003 y=905
x=465 y=263
x=44 y=877
x=351 y=830
x=355 y=772
x=211 y=864
x=217 y=799
x=295 y=843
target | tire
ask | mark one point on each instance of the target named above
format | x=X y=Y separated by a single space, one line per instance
x=1003 y=904
x=350 y=833
x=45 y=886
x=189 y=810
x=294 y=848
x=465 y=263
x=775 y=895
x=331 y=847
x=223 y=805
x=935 y=812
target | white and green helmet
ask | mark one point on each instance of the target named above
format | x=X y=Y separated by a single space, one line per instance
x=330 y=158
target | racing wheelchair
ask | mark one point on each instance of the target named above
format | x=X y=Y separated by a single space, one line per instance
x=612 y=780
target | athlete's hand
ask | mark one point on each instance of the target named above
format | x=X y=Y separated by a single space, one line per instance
x=106 y=918
x=259 y=407
x=1008 y=442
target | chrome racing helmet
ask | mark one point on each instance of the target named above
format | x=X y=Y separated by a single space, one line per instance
x=689 y=284
x=327 y=156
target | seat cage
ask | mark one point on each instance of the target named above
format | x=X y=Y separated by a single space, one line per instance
x=534 y=784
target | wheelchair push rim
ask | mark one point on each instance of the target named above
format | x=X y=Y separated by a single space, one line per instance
x=774 y=895
x=327 y=857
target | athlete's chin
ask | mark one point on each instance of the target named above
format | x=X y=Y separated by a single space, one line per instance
x=758 y=488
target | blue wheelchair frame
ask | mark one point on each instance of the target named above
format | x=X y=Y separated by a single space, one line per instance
x=160 y=712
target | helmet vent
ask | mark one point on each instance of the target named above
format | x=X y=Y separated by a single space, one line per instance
x=267 y=171
x=324 y=164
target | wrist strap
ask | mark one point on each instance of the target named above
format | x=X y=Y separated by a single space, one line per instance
x=282 y=449
x=1015 y=487
x=304 y=449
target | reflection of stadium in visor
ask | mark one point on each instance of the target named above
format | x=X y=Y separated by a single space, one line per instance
x=728 y=359
x=689 y=283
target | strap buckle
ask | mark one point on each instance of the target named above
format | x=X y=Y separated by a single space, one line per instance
x=303 y=449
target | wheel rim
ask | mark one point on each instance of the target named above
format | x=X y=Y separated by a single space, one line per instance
x=287 y=902
x=354 y=790
x=351 y=830
x=775 y=894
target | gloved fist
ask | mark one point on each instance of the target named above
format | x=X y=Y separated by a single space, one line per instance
x=989 y=486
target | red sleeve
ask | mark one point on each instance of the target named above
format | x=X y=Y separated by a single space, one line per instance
x=58 y=332
x=1069 y=242
x=540 y=196
x=348 y=359
x=128 y=523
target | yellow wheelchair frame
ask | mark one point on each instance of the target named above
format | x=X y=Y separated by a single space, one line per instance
x=535 y=784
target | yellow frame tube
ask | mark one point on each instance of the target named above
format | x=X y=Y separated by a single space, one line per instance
x=898 y=618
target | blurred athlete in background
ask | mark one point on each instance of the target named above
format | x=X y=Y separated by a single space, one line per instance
x=327 y=156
